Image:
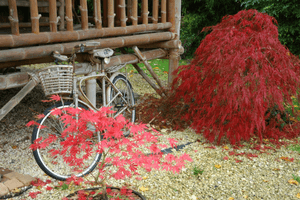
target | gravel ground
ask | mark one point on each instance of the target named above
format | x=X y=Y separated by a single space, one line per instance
x=228 y=173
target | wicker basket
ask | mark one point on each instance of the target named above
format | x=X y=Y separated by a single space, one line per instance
x=57 y=79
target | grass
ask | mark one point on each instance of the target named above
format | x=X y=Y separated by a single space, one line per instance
x=295 y=148
x=197 y=171
x=296 y=178
x=159 y=66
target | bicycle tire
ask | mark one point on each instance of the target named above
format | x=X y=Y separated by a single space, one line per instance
x=41 y=156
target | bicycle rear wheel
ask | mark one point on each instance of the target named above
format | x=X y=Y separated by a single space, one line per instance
x=124 y=103
x=55 y=166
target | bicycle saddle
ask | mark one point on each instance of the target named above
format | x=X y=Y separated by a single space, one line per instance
x=102 y=53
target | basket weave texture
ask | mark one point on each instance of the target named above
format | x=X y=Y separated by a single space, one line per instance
x=57 y=79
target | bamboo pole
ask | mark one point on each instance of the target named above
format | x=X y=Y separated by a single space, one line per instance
x=145 y=11
x=155 y=12
x=61 y=12
x=129 y=9
x=97 y=13
x=68 y=36
x=66 y=48
x=122 y=8
x=174 y=16
x=171 y=14
x=118 y=12
x=142 y=73
x=69 y=16
x=134 y=15
x=84 y=14
x=171 y=44
x=34 y=17
x=105 y=13
x=110 y=13
x=13 y=17
x=148 y=66
x=163 y=11
x=53 y=15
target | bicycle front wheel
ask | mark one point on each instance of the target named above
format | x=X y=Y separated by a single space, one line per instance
x=122 y=103
x=55 y=166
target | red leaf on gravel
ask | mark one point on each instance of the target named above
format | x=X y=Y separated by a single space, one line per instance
x=34 y=194
x=225 y=158
x=231 y=153
x=210 y=147
x=238 y=161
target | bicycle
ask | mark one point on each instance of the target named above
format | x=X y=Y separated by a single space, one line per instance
x=115 y=90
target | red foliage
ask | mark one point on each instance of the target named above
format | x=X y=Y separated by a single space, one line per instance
x=239 y=72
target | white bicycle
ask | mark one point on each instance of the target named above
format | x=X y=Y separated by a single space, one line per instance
x=112 y=89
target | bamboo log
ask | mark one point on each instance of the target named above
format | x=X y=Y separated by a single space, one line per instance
x=61 y=12
x=13 y=17
x=84 y=14
x=122 y=8
x=69 y=16
x=68 y=36
x=97 y=13
x=118 y=12
x=163 y=11
x=171 y=44
x=134 y=16
x=53 y=15
x=66 y=48
x=34 y=17
x=110 y=13
x=105 y=13
x=145 y=11
x=155 y=12
x=174 y=16
x=129 y=8
x=171 y=14
x=148 y=66
x=143 y=74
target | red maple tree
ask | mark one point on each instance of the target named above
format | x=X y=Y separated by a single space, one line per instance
x=239 y=74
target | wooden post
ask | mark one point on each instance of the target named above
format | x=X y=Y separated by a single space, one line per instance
x=174 y=16
x=53 y=15
x=35 y=28
x=104 y=22
x=61 y=12
x=155 y=12
x=69 y=16
x=13 y=17
x=134 y=14
x=110 y=13
x=145 y=11
x=122 y=8
x=163 y=11
x=84 y=14
x=97 y=14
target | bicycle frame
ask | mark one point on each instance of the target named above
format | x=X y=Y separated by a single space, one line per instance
x=80 y=97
